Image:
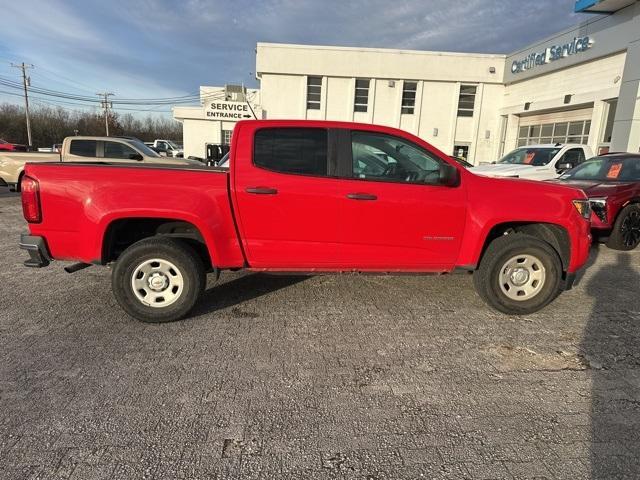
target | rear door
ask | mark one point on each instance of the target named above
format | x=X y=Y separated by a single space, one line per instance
x=287 y=202
x=395 y=214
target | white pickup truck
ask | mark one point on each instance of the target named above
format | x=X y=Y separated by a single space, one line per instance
x=83 y=149
x=537 y=162
x=166 y=148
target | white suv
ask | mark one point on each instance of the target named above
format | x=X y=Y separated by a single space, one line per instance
x=537 y=162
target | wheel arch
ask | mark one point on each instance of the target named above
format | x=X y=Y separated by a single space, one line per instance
x=555 y=235
x=19 y=180
x=119 y=233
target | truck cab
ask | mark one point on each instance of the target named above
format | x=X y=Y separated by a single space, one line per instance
x=537 y=162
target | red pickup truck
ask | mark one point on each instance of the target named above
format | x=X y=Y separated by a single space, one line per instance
x=306 y=196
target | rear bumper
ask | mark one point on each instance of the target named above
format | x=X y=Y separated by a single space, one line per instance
x=37 y=248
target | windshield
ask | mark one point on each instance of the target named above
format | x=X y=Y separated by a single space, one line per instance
x=606 y=169
x=173 y=145
x=534 y=156
x=142 y=148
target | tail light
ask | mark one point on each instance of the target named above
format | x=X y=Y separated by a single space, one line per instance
x=30 y=200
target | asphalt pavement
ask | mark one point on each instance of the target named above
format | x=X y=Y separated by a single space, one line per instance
x=4 y=192
x=368 y=377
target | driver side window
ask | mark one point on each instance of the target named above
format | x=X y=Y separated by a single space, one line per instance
x=574 y=156
x=381 y=157
x=118 y=150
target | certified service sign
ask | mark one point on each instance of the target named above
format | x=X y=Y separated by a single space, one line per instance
x=552 y=53
x=223 y=110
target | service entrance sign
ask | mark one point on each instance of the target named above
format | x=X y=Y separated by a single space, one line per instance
x=223 y=110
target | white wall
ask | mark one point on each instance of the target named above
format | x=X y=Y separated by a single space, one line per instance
x=590 y=84
x=283 y=70
x=198 y=130
x=197 y=133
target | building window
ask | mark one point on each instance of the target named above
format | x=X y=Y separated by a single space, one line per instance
x=409 y=97
x=226 y=137
x=466 y=100
x=608 y=126
x=314 y=92
x=461 y=151
x=561 y=132
x=362 y=95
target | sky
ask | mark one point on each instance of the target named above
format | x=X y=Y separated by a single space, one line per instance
x=168 y=48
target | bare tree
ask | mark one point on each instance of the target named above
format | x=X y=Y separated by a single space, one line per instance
x=50 y=125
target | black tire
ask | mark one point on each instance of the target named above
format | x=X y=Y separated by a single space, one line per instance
x=186 y=261
x=625 y=234
x=487 y=278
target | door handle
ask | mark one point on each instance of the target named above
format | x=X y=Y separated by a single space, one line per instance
x=361 y=196
x=261 y=190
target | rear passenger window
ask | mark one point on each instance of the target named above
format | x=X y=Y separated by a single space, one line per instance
x=83 y=148
x=301 y=151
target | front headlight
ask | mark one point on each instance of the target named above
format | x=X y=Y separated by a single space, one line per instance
x=584 y=208
x=599 y=207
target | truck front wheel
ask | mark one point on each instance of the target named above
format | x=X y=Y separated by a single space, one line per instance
x=519 y=274
x=158 y=279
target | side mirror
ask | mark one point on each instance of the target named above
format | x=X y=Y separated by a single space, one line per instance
x=565 y=166
x=136 y=156
x=449 y=175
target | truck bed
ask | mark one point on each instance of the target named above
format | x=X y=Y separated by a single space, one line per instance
x=81 y=200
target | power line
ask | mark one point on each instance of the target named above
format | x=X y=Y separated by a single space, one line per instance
x=142 y=101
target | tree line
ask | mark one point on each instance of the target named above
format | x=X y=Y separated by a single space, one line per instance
x=49 y=125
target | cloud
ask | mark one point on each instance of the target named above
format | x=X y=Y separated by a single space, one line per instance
x=162 y=48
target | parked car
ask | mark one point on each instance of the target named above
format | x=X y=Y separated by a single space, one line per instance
x=11 y=147
x=612 y=183
x=83 y=149
x=167 y=148
x=537 y=162
x=296 y=197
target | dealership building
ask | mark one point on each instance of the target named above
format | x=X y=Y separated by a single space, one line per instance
x=580 y=85
x=211 y=123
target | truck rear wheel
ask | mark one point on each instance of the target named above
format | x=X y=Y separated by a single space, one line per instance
x=519 y=274
x=158 y=279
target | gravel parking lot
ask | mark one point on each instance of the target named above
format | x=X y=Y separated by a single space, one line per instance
x=371 y=377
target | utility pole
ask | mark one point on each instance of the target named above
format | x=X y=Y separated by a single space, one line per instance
x=26 y=82
x=106 y=105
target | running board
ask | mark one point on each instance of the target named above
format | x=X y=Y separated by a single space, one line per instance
x=76 y=267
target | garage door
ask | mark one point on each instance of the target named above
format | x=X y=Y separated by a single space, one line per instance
x=558 y=127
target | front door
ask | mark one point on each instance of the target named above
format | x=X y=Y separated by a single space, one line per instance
x=395 y=213
x=287 y=204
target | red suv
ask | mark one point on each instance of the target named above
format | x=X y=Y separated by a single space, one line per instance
x=612 y=183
